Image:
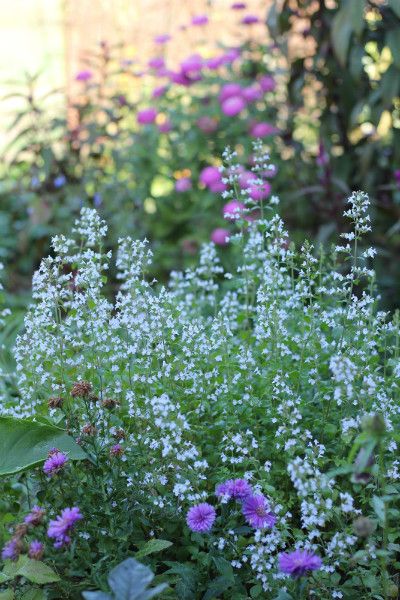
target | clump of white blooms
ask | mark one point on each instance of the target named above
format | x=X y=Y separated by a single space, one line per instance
x=265 y=373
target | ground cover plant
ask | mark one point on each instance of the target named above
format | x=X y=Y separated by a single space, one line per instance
x=236 y=432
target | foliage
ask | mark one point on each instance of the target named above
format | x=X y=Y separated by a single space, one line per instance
x=344 y=95
x=280 y=375
x=128 y=581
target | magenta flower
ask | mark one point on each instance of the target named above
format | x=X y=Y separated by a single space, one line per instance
x=11 y=550
x=257 y=512
x=297 y=563
x=259 y=192
x=146 y=116
x=35 y=517
x=162 y=39
x=156 y=63
x=246 y=178
x=159 y=91
x=233 y=106
x=36 y=550
x=200 y=518
x=252 y=93
x=191 y=65
x=200 y=20
x=183 y=184
x=231 y=55
x=54 y=463
x=214 y=63
x=238 y=489
x=262 y=129
x=84 y=75
x=250 y=20
x=233 y=210
x=62 y=525
x=228 y=90
x=210 y=175
x=116 y=450
x=220 y=236
x=267 y=83
x=238 y=6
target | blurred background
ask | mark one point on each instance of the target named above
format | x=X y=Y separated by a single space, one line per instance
x=127 y=106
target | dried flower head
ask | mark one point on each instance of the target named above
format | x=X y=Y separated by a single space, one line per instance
x=81 y=389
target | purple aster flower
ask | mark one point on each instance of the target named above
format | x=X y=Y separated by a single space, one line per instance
x=54 y=463
x=200 y=20
x=257 y=512
x=297 y=563
x=11 y=550
x=201 y=517
x=250 y=20
x=238 y=489
x=162 y=39
x=84 y=75
x=183 y=184
x=238 y=6
x=62 y=525
x=36 y=550
x=35 y=517
x=116 y=450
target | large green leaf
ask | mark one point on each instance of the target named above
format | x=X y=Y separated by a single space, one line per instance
x=152 y=546
x=349 y=19
x=34 y=571
x=25 y=443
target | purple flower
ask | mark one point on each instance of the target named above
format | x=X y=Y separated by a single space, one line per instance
x=229 y=90
x=233 y=210
x=220 y=237
x=35 y=517
x=156 y=63
x=233 y=106
x=116 y=450
x=62 y=525
x=183 y=184
x=397 y=176
x=11 y=550
x=238 y=6
x=54 y=463
x=159 y=91
x=84 y=75
x=35 y=550
x=257 y=512
x=297 y=563
x=250 y=20
x=59 y=181
x=267 y=83
x=262 y=129
x=191 y=65
x=210 y=175
x=162 y=39
x=201 y=517
x=200 y=20
x=238 y=489
x=146 y=116
x=252 y=93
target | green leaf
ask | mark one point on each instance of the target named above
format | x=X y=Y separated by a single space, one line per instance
x=25 y=443
x=395 y=6
x=130 y=579
x=153 y=546
x=283 y=596
x=392 y=39
x=217 y=587
x=379 y=508
x=348 y=19
x=34 y=594
x=37 y=572
x=7 y=595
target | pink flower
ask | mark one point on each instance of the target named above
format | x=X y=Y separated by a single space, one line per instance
x=146 y=116
x=214 y=63
x=220 y=236
x=245 y=179
x=252 y=93
x=159 y=91
x=257 y=512
x=162 y=39
x=200 y=518
x=259 y=192
x=210 y=175
x=200 y=20
x=191 y=65
x=239 y=489
x=267 y=83
x=207 y=124
x=233 y=106
x=156 y=63
x=238 y=6
x=262 y=129
x=183 y=184
x=228 y=90
x=84 y=75
x=231 y=55
x=233 y=210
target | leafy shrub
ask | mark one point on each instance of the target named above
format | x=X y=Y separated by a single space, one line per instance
x=242 y=424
